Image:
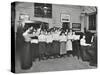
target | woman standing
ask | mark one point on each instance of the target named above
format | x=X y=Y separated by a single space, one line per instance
x=56 y=44
x=49 y=40
x=75 y=44
x=42 y=45
x=26 y=53
x=62 y=44
x=69 y=43
x=34 y=45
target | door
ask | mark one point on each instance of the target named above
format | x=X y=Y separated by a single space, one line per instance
x=65 y=25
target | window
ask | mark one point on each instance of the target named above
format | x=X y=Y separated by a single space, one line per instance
x=43 y=10
x=92 y=22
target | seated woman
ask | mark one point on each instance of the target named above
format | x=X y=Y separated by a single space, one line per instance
x=92 y=51
x=84 y=48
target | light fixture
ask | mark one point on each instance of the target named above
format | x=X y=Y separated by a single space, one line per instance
x=83 y=13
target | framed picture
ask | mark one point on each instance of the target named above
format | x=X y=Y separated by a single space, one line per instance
x=76 y=26
x=43 y=10
x=65 y=18
x=24 y=17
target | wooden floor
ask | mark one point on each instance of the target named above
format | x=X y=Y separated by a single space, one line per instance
x=58 y=64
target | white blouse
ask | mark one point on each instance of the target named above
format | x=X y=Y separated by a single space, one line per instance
x=76 y=37
x=34 y=41
x=26 y=36
x=63 y=38
x=55 y=36
x=49 y=38
x=42 y=38
x=83 y=42
x=70 y=37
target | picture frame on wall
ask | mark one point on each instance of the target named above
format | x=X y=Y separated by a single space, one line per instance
x=65 y=17
x=76 y=26
x=24 y=17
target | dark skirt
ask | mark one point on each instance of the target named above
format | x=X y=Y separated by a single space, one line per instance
x=49 y=49
x=35 y=50
x=56 y=48
x=26 y=56
x=84 y=53
x=92 y=52
x=62 y=47
x=42 y=48
x=75 y=45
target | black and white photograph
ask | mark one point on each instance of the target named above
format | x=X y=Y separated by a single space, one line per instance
x=48 y=37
